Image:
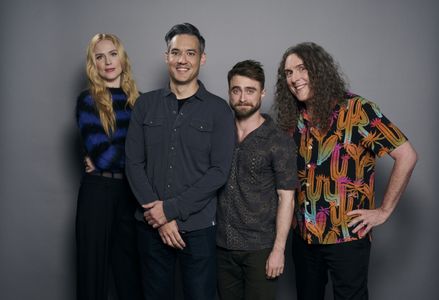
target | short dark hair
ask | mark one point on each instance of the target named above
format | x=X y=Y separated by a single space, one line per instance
x=248 y=68
x=185 y=28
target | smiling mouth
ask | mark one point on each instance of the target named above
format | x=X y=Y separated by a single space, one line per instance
x=299 y=87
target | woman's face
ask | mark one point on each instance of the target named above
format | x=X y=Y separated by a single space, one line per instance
x=108 y=63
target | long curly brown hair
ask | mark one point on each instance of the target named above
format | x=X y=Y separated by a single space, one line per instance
x=326 y=82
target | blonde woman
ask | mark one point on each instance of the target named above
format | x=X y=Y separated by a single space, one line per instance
x=105 y=226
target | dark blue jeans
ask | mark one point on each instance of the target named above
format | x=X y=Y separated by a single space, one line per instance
x=347 y=263
x=197 y=263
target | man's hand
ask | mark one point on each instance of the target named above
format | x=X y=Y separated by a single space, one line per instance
x=366 y=219
x=274 y=266
x=170 y=235
x=154 y=214
x=89 y=166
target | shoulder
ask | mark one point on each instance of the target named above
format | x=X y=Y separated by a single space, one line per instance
x=353 y=100
x=149 y=98
x=216 y=104
x=85 y=98
x=277 y=135
x=85 y=103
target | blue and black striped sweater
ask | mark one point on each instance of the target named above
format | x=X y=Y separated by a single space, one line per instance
x=106 y=152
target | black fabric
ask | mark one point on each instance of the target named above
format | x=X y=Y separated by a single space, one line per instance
x=106 y=238
x=242 y=276
x=347 y=264
x=263 y=162
x=197 y=264
x=181 y=158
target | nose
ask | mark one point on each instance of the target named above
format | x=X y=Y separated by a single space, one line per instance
x=182 y=58
x=108 y=60
x=242 y=97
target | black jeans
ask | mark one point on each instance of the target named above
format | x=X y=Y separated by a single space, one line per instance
x=197 y=263
x=347 y=263
x=106 y=238
x=241 y=275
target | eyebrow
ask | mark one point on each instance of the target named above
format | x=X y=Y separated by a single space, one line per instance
x=187 y=50
x=245 y=87
x=102 y=53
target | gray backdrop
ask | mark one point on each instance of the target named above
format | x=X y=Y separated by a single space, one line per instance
x=388 y=49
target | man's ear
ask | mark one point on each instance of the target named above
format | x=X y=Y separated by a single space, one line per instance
x=203 y=58
x=166 y=56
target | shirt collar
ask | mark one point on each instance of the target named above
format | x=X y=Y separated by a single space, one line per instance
x=200 y=94
x=265 y=130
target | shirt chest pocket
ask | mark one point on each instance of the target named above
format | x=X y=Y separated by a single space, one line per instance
x=153 y=130
x=198 y=134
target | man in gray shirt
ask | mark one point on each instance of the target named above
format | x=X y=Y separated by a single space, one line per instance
x=255 y=207
x=179 y=149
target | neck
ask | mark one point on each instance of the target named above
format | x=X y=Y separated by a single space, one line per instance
x=245 y=126
x=113 y=84
x=183 y=91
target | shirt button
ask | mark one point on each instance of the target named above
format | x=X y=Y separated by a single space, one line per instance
x=309 y=147
x=201 y=127
x=172 y=148
x=181 y=114
x=175 y=129
x=170 y=167
x=308 y=166
x=168 y=186
x=307 y=184
x=174 y=112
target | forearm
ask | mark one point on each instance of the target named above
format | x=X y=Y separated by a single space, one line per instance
x=283 y=218
x=405 y=161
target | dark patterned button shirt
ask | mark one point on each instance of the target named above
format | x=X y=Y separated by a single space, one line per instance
x=263 y=162
x=337 y=169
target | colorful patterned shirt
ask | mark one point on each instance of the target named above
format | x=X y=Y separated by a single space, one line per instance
x=337 y=169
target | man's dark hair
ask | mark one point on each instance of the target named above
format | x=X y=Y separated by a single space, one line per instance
x=185 y=28
x=326 y=81
x=248 y=68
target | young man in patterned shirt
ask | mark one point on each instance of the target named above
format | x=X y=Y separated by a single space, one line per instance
x=339 y=135
x=255 y=207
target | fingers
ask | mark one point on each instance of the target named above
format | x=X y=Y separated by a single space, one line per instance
x=274 y=267
x=149 y=205
x=171 y=236
x=273 y=272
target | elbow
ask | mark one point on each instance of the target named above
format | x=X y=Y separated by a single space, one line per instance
x=414 y=158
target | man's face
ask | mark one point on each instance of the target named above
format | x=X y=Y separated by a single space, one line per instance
x=245 y=96
x=184 y=59
x=297 y=78
x=108 y=63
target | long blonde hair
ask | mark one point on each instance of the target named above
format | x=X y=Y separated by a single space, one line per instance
x=98 y=89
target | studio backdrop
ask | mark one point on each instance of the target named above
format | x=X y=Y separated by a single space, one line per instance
x=388 y=49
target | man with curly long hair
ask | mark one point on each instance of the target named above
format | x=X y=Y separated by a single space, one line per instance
x=339 y=135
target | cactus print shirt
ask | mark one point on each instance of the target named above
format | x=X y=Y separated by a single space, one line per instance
x=337 y=169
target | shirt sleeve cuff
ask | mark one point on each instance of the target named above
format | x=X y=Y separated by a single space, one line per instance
x=170 y=208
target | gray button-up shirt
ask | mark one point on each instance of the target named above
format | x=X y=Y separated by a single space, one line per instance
x=264 y=162
x=181 y=157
